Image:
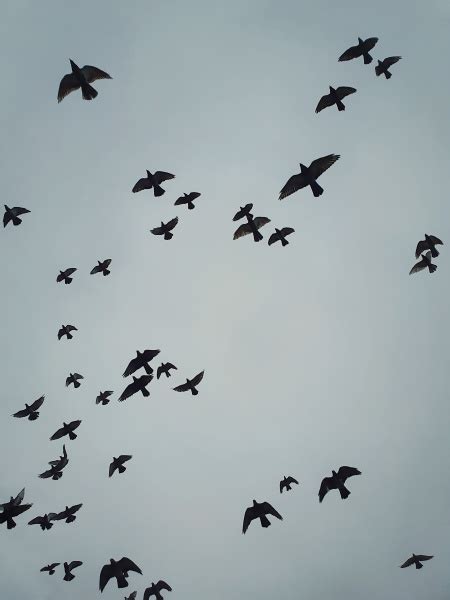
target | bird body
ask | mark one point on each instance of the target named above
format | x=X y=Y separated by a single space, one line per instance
x=252 y=226
x=68 y=568
x=81 y=78
x=336 y=481
x=286 y=482
x=308 y=176
x=164 y=368
x=416 y=560
x=259 y=510
x=139 y=384
x=102 y=267
x=429 y=243
x=12 y=214
x=155 y=590
x=424 y=263
x=280 y=235
x=103 y=397
x=165 y=229
x=67 y=429
x=382 y=67
x=31 y=410
x=50 y=568
x=66 y=276
x=191 y=384
x=141 y=361
x=118 y=463
x=68 y=514
x=187 y=199
x=44 y=522
x=118 y=569
x=73 y=378
x=153 y=180
x=335 y=97
x=361 y=49
x=244 y=211
x=65 y=331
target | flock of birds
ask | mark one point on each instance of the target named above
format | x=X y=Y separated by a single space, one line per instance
x=120 y=569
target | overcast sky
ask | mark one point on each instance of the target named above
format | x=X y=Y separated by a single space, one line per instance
x=322 y=353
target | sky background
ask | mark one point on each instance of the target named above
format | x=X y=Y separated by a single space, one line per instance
x=319 y=354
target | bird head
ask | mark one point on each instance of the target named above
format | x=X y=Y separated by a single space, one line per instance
x=414 y=556
x=6 y=207
x=148 y=174
x=334 y=473
x=302 y=168
x=331 y=89
x=72 y=64
x=64 y=424
x=138 y=353
x=135 y=379
x=27 y=405
x=254 y=503
x=360 y=41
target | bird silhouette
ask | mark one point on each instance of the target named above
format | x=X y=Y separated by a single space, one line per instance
x=252 y=226
x=81 y=78
x=68 y=514
x=102 y=267
x=141 y=361
x=417 y=560
x=12 y=214
x=165 y=368
x=280 y=235
x=50 y=568
x=187 y=199
x=165 y=229
x=69 y=567
x=335 y=96
x=118 y=463
x=424 y=263
x=244 y=211
x=139 y=384
x=429 y=243
x=191 y=384
x=259 y=510
x=382 y=67
x=309 y=176
x=73 y=378
x=103 y=397
x=286 y=482
x=66 y=275
x=12 y=509
x=56 y=467
x=118 y=569
x=361 y=49
x=31 y=410
x=65 y=331
x=336 y=482
x=155 y=590
x=153 y=180
x=44 y=521
x=66 y=429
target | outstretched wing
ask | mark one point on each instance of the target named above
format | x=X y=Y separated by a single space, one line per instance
x=149 y=355
x=142 y=184
x=58 y=434
x=421 y=247
x=69 y=83
x=125 y=457
x=391 y=60
x=350 y=53
x=105 y=575
x=131 y=389
x=327 y=484
x=293 y=184
x=47 y=474
x=97 y=269
x=172 y=223
x=158 y=230
x=291 y=480
x=133 y=366
x=268 y=509
x=184 y=387
x=344 y=91
x=160 y=176
x=370 y=43
x=112 y=468
x=345 y=472
x=127 y=564
x=162 y=585
x=74 y=564
x=324 y=102
x=75 y=508
x=435 y=239
x=21 y=413
x=260 y=222
x=411 y=560
x=287 y=231
x=18 y=210
x=320 y=165
x=242 y=230
x=36 y=521
x=37 y=403
x=93 y=73
x=423 y=557
x=242 y=212
x=419 y=266
x=196 y=380
x=74 y=424
x=249 y=515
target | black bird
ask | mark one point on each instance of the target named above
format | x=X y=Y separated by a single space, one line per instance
x=68 y=567
x=165 y=368
x=132 y=596
x=335 y=96
x=66 y=429
x=308 y=176
x=286 y=483
x=102 y=267
x=336 y=482
x=153 y=181
x=14 y=501
x=12 y=214
x=252 y=226
x=81 y=78
x=56 y=467
x=73 y=378
x=244 y=211
x=66 y=276
x=416 y=559
x=118 y=569
x=187 y=199
x=361 y=49
x=139 y=385
x=50 y=568
x=31 y=410
x=43 y=522
x=423 y=264
x=259 y=510
x=141 y=361
x=280 y=235
x=103 y=397
x=191 y=384
x=13 y=508
x=165 y=229
x=65 y=331
x=118 y=463
x=383 y=66
x=429 y=243
x=155 y=590
x=68 y=514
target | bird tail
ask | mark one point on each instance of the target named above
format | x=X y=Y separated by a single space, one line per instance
x=345 y=493
x=367 y=58
x=16 y=221
x=257 y=236
x=106 y=272
x=76 y=384
x=33 y=416
x=419 y=565
x=148 y=369
x=121 y=469
x=265 y=521
x=284 y=243
x=70 y=519
x=387 y=75
x=69 y=336
x=190 y=205
x=194 y=392
x=434 y=252
x=378 y=71
x=10 y=524
x=158 y=191
x=145 y=393
x=168 y=235
x=121 y=581
x=72 y=435
x=69 y=577
x=288 y=487
x=47 y=526
x=432 y=268
x=317 y=190
x=89 y=93
x=340 y=105
x=57 y=476
x=51 y=572
x=67 y=280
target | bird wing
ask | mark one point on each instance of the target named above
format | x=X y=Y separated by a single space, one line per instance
x=411 y=560
x=75 y=508
x=184 y=387
x=21 y=413
x=105 y=575
x=422 y=557
x=320 y=165
x=391 y=60
x=291 y=480
x=58 y=434
x=18 y=210
x=123 y=458
x=37 y=403
x=160 y=176
x=171 y=224
x=69 y=271
x=242 y=230
x=268 y=509
x=293 y=184
x=435 y=239
x=241 y=213
x=181 y=200
x=171 y=366
x=132 y=596
x=162 y=585
x=287 y=231
x=133 y=365
x=157 y=231
x=350 y=53
x=36 y=521
x=345 y=472
x=112 y=468
x=196 y=380
x=74 y=564
x=324 y=102
x=107 y=262
x=421 y=247
x=148 y=592
x=370 y=43
x=96 y=269
x=131 y=389
x=149 y=355
x=74 y=424
x=193 y=195
x=93 y=73
x=61 y=515
x=69 y=83
x=326 y=485
x=142 y=184
x=159 y=371
x=127 y=564
x=19 y=498
x=344 y=91
x=249 y=515
x=78 y=376
x=260 y=222
x=60 y=333
x=282 y=485
x=52 y=516
x=47 y=474
x=419 y=266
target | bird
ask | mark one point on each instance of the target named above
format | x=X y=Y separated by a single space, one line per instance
x=139 y=384
x=259 y=510
x=13 y=508
x=14 y=501
x=141 y=361
x=103 y=397
x=415 y=559
x=31 y=410
x=429 y=243
x=73 y=378
x=244 y=211
x=43 y=522
x=165 y=368
x=335 y=96
x=66 y=276
x=102 y=267
x=252 y=226
x=56 y=467
x=155 y=590
x=68 y=514
x=165 y=229
x=50 y=568
x=68 y=567
x=65 y=331
x=423 y=264
x=361 y=49
x=153 y=180
x=66 y=429
x=190 y=384
x=118 y=463
x=382 y=67
x=286 y=483
x=118 y=569
x=187 y=199
x=336 y=482
x=132 y=596
x=12 y=214
x=280 y=235
x=308 y=176
x=81 y=78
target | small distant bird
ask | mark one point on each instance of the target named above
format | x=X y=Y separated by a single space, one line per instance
x=73 y=378
x=68 y=514
x=141 y=361
x=118 y=463
x=165 y=229
x=12 y=214
x=423 y=264
x=50 y=568
x=429 y=243
x=336 y=482
x=68 y=567
x=103 y=397
x=132 y=596
x=14 y=501
x=361 y=49
x=66 y=276
x=244 y=211
x=153 y=181
x=280 y=235
x=43 y=522
x=139 y=385
x=65 y=331
x=259 y=510
x=13 y=508
x=335 y=97
x=31 y=410
x=56 y=467
x=383 y=66
x=66 y=429
x=191 y=384
x=81 y=78
x=286 y=483
x=155 y=590
x=165 y=368
x=308 y=176
x=118 y=569
x=102 y=267
x=417 y=560
x=187 y=199
x=252 y=226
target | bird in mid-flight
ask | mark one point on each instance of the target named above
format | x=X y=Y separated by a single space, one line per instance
x=165 y=229
x=50 y=568
x=68 y=568
x=280 y=235
x=73 y=378
x=382 y=67
x=14 y=501
x=66 y=276
x=286 y=483
x=31 y=410
x=335 y=96
x=103 y=397
x=165 y=368
x=56 y=467
x=417 y=560
x=361 y=49
x=81 y=78
x=423 y=264
x=102 y=267
x=65 y=331
x=155 y=590
x=244 y=211
x=336 y=482
x=68 y=514
x=191 y=384
x=13 y=508
x=118 y=463
x=43 y=522
x=188 y=199
x=252 y=226
x=132 y=596
x=429 y=243
x=139 y=384
x=118 y=569
x=259 y=510
x=153 y=180
x=141 y=361
x=308 y=176
x=67 y=429
x=12 y=214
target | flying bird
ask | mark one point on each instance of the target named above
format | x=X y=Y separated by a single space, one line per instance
x=68 y=514
x=102 y=267
x=309 y=176
x=14 y=501
x=118 y=463
x=417 y=560
x=429 y=243
x=165 y=229
x=132 y=596
x=66 y=276
x=31 y=410
x=12 y=214
x=259 y=510
x=68 y=567
x=286 y=483
x=153 y=181
x=43 y=522
x=252 y=226
x=103 y=397
x=50 y=568
x=382 y=67
x=118 y=569
x=165 y=368
x=66 y=429
x=81 y=78
x=155 y=590
x=13 y=508
x=139 y=384
x=187 y=199
x=73 y=378
x=244 y=211
x=191 y=384
x=280 y=235
x=361 y=49
x=56 y=467
x=141 y=361
x=335 y=96
x=423 y=264
x=65 y=331
x=336 y=482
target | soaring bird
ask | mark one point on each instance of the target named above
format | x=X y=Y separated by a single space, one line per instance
x=73 y=378
x=14 y=501
x=361 y=49
x=429 y=243
x=382 y=67
x=165 y=229
x=68 y=514
x=50 y=568
x=165 y=368
x=66 y=429
x=153 y=180
x=335 y=96
x=308 y=176
x=12 y=214
x=259 y=510
x=102 y=267
x=191 y=384
x=336 y=482
x=280 y=235
x=81 y=78
x=68 y=567
x=56 y=467
x=31 y=410
x=244 y=211
x=423 y=264
x=118 y=569
x=13 y=508
x=66 y=275
x=118 y=463
x=141 y=361
x=155 y=590
x=103 y=397
x=65 y=331
x=415 y=559
x=187 y=199
x=139 y=384
x=43 y=522
x=252 y=226
x=286 y=483
x=132 y=596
